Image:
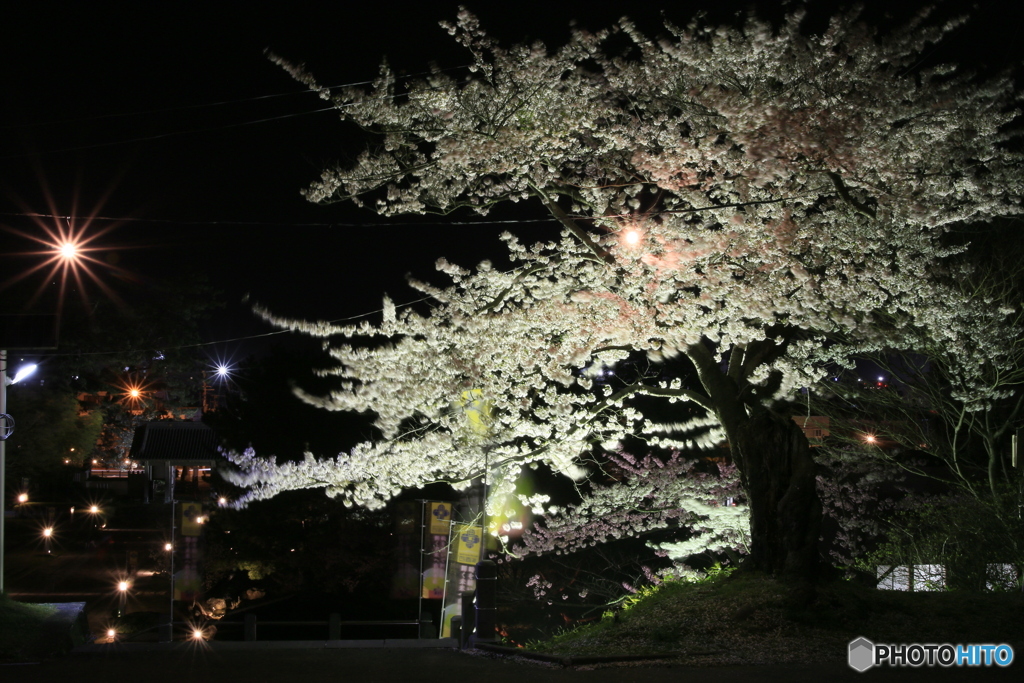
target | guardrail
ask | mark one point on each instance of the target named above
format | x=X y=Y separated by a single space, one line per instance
x=334 y=623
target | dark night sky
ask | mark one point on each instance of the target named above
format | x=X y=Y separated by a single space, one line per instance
x=158 y=114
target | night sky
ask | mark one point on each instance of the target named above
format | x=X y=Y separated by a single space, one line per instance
x=173 y=122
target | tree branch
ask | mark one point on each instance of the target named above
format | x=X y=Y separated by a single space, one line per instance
x=844 y=194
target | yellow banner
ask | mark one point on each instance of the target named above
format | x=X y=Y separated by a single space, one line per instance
x=191 y=519
x=468 y=541
x=440 y=518
x=479 y=411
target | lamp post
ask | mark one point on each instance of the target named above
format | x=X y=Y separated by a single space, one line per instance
x=6 y=429
x=122 y=588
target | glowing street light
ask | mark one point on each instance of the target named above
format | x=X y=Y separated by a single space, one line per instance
x=47 y=535
x=22 y=373
x=122 y=588
x=68 y=251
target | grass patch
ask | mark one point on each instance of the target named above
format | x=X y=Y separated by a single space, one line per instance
x=751 y=619
x=22 y=627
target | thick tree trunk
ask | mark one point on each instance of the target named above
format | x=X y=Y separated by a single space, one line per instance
x=778 y=473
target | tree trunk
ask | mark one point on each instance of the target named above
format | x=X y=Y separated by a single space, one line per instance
x=778 y=474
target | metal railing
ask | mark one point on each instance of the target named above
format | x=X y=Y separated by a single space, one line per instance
x=334 y=623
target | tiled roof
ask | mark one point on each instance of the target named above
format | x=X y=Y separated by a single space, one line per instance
x=177 y=441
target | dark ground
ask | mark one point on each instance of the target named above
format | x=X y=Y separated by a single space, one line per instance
x=258 y=662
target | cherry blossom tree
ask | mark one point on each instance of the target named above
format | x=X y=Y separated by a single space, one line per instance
x=648 y=495
x=760 y=202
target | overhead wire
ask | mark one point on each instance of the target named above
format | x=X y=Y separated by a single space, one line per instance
x=331 y=224
x=202 y=105
x=159 y=136
x=262 y=335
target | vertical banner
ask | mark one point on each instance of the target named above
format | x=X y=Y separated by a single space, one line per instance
x=468 y=542
x=188 y=580
x=440 y=518
x=479 y=411
x=466 y=548
x=435 y=549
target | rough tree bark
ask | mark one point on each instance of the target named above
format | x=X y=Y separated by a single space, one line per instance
x=778 y=475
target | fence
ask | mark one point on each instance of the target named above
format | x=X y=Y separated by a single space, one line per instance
x=334 y=623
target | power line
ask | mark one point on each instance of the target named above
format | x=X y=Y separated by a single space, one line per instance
x=222 y=341
x=203 y=105
x=332 y=224
x=160 y=136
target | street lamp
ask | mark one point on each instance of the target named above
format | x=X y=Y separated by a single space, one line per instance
x=47 y=535
x=6 y=429
x=122 y=588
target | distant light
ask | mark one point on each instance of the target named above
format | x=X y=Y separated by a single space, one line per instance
x=22 y=497
x=111 y=633
x=881 y=378
x=632 y=237
x=870 y=438
x=48 y=531
x=94 y=509
x=223 y=370
x=168 y=547
x=122 y=586
x=197 y=634
x=222 y=501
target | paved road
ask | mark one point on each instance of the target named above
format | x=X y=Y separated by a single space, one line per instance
x=224 y=662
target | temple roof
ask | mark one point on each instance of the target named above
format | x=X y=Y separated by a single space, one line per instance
x=168 y=440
